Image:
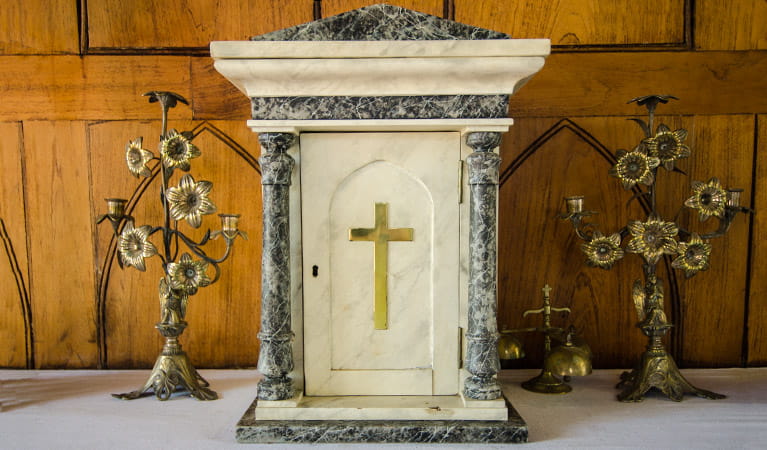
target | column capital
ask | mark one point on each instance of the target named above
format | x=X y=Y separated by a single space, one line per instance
x=276 y=164
x=276 y=142
x=483 y=141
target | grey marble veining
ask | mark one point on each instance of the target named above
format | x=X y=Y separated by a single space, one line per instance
x=482 y=332
x=251 y=430
x=381 y=22
x=396 y=107
x=275 y=359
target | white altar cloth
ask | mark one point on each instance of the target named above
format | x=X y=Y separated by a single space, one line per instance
x=73 y=410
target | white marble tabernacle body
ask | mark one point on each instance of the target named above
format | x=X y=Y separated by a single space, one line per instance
x=379 y=130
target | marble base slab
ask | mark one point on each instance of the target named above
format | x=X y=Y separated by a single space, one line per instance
x=383 y=407
x=251 y=429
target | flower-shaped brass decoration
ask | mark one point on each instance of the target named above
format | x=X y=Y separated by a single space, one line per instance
x=652 y=238
x=137 y=156
x=634 y=167
x=187 y=275
x=693 y=256
x=190 y=200
x=709 y=199
x=668 y=146
x=134 y=247
x=603 y=251
x=177 y=149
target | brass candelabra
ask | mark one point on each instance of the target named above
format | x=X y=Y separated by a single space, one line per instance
x=183 y=274
x=572 y=357
x=653 y=238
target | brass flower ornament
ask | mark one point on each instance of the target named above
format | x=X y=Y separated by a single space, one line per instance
x=136 y=156
x=709 y=199
x=603 y=251
x=634 y=167
x=190 y=200
x=668 y=146
x=693 y=256
x=187 y=275
x=652 y=238
x=177 y=149
x=133 y=246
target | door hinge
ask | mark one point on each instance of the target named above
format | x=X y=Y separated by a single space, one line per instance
x=460 y=181
x=460 y=347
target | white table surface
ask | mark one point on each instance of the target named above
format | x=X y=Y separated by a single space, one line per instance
x=73 y=410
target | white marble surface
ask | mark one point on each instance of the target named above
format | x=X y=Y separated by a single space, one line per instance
x=379 y=49
x=288 y=77
x=411 y=407
x=416 y=174
x=73 y=410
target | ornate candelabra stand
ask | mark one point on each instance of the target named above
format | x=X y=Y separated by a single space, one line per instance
x=184 y=274
x=653 y=238
x=571 y=358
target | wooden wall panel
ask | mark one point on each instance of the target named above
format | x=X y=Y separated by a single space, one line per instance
x=154 y=24
x=581 y=22
x=566 y=160
x=60 y=239
x=713 y=302
x=600 y=84
x=215 y=98
x=90 y=88
x=39 y=27
x=757 y=299
x=731 y=25
x=333 y=7
x=82 y=325
x=15 y=315
x=220 y=333
x=545 y=160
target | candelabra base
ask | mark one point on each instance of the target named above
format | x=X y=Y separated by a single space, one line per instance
x=658 y=370
x=172 y=373
x=546 y=383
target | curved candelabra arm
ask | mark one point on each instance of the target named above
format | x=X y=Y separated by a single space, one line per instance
x=196 y=247
x=730 y=212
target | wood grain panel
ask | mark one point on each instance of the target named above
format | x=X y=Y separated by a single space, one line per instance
x=600 y=84
x=221 y=317
x=333 y=7
x=39 y=27
x=585 y=84
x=60 y=239
x=178 y=24
x=757 y=296
x=215 y=98
x=546 y=160
x=731 y=25
x=710 y=326
x=89 y=88
x=581 y=22
x=16 y=332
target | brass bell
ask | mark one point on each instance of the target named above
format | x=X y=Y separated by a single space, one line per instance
x=510 y=348
x=569 y=359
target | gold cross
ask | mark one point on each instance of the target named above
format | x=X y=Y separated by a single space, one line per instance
x=381 y=235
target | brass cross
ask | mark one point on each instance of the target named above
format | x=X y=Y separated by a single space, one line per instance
x=381 y=235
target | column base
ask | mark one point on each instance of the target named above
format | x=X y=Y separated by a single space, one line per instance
x=275 y=389
x=478 y=388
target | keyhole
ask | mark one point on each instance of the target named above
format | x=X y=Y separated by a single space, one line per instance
x=315 y=271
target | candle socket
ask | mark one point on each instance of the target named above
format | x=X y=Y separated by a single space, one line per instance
x=574 y=204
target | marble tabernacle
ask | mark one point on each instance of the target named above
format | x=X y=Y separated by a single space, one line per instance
x=379 y=130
